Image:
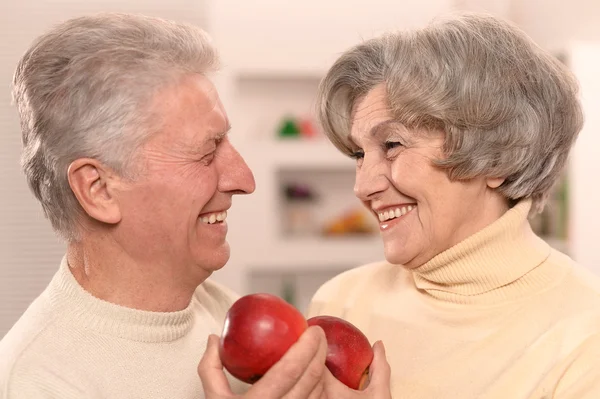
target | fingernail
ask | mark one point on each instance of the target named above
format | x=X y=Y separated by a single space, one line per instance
x=210 y=337
x=320 y=329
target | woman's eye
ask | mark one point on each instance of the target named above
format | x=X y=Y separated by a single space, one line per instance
x=390 y=145
x=358 y=154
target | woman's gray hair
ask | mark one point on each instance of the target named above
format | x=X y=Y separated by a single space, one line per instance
x=509 y=108
x=84 y=90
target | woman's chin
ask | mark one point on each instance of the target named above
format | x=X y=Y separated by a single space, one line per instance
x=395 y=258
x=405 y=258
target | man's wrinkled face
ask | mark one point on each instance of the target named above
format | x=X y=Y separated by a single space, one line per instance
x=175 y=212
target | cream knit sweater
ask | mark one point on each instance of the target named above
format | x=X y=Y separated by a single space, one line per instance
x=71 y=345
x=500 y=315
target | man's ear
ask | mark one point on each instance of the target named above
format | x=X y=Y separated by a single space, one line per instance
x=94 y=187
x=495 y=182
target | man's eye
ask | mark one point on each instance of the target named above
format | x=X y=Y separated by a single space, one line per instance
x=207 y=159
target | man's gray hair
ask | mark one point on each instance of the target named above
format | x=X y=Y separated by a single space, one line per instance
x=84 y=89
x=509 y=108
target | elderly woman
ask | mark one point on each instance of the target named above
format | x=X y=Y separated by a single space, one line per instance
x=459 y=131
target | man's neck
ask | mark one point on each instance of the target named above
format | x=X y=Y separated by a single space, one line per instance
x=108 y=273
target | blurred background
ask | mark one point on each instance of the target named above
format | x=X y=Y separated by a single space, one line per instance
x=303 y=225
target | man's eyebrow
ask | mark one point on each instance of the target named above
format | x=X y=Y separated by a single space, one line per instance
x=219 y=136
x=200 y=145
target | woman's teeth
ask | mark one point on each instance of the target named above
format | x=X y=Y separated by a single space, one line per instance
x=395 y=213
x=214 y=217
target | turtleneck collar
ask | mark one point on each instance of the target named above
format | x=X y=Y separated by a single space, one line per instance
x=112 y=319
x=500 y=262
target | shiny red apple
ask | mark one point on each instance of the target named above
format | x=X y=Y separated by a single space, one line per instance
x=349 y=353
x=258 y=330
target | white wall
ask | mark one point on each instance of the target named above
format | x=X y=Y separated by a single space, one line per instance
x=555 y=23
x=500 y=8
x=280 y=36
x=584 y=59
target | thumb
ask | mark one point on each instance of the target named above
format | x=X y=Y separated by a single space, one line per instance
x=379 y=372
x=210 y=370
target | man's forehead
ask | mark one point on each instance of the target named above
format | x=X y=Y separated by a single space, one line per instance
x=194 y=91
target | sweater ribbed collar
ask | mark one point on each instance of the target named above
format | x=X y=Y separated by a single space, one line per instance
x=500 y=262
x=104 y=317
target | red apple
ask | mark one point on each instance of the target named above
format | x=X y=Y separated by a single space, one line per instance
x=349 y=353
x=258 y=330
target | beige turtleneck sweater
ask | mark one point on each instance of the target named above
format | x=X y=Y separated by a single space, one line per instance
x=71 y=345
x=501 y=315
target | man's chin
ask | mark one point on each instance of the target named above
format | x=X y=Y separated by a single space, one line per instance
x=216 y=260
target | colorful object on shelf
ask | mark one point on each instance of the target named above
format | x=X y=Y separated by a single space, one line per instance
x=288 y=128
x=351 y=222
x=307 y=128
x=299 y=209
x=299 y=191
x=291 y=127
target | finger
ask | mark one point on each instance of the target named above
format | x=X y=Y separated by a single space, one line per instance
x=290 y=369
x=379 y=371
x=319 y=391
x=311 y=384
x=334 y=388
x=210 y=370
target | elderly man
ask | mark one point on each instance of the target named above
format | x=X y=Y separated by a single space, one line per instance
x=126 y=148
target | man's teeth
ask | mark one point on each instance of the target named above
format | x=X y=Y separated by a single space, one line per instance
x=395 y=213
x=214 y=217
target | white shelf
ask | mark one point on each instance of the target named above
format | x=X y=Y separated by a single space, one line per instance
x=327 y=253
x=317 y=153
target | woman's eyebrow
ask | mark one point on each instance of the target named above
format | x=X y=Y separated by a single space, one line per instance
x=378 y=129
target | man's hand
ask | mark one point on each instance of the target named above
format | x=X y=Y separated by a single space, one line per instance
x=379 y=380
x=299 y=374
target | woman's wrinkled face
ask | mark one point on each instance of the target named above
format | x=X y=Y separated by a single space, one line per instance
x=421 y=212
